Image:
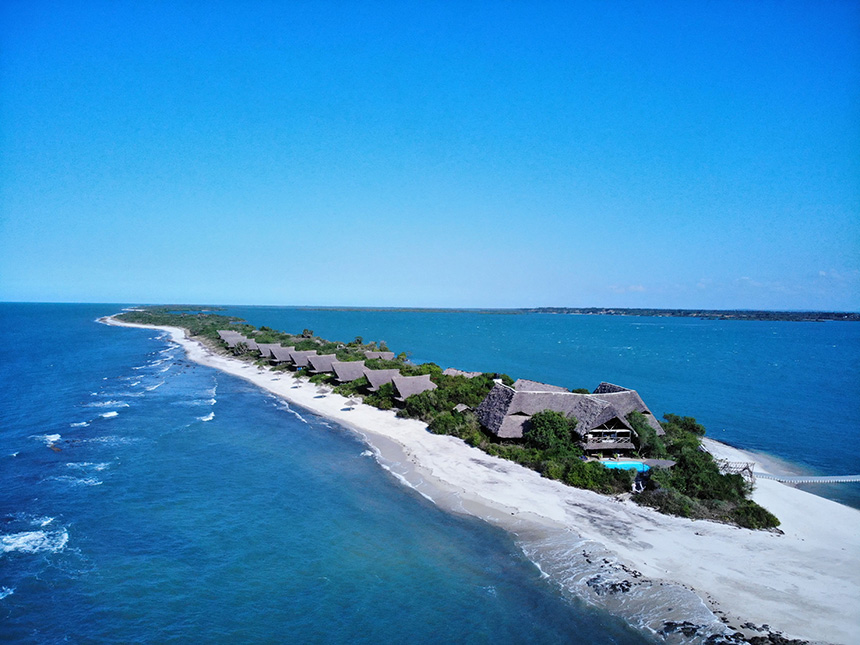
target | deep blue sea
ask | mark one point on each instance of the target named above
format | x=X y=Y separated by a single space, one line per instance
x=147 y=499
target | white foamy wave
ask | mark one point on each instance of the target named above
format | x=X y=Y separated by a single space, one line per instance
x=6 y=591
x=153 y=387
x=107 y=404
x=111 y=440
x=34 y=541
x=79 y=424
x=208 y=417
x=75 y=481
x=88 y=465
x=367 y=453
x=109 y=415
x=301 y=418
x=48 y=439
x=165 y=369
x=44 y=521
x=133 y=384
x=13 y=454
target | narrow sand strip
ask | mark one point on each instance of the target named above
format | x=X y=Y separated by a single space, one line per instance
x=804 y=582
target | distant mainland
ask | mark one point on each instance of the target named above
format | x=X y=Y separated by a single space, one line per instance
x=705 y=314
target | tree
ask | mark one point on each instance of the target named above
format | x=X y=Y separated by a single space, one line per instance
x=307 y=333
x=549 y=430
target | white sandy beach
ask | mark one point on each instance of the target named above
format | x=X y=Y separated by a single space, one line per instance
x=804 y=582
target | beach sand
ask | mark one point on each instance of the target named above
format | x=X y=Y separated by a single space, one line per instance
x=650 y=568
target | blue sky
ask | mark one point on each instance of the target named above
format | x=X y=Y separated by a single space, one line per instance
x=481 y=154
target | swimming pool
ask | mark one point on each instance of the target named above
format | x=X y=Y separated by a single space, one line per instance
x=627 y=465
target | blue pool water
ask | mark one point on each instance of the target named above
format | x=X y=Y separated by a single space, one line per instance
x=638 y=466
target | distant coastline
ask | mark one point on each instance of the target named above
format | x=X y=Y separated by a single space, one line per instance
x=707 y=314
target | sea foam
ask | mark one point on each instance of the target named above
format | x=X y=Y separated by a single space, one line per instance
x=109 y=415
x=34 y=541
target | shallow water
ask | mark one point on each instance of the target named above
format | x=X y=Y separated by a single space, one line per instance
x=145 y=498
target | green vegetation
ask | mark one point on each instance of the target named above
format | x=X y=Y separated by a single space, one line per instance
x=693 y=488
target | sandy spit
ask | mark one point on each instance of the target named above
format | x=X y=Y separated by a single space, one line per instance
x=803 y=581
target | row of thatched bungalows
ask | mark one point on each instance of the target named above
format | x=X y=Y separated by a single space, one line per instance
x=344 y=371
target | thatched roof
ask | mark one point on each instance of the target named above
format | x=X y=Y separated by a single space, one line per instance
x=266 y=349
x=281 y=354
x=378 y=378
x=346 y=371
x=407 y=386
x=526 y=385
x=321 y=363
x=250 y=344
x=228 y=334
x=450 y=371
x=461 y=407
x=505 y=410
x=387 y=356
x=300 y=359
x=626 y=401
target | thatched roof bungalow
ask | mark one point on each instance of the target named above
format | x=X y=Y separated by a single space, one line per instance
x=601 y=416
x=406 y=386
x=266 y=349
x=300 y=359
x=317 y=364
x=346 y=371
x=525 y=385
x=281 y=354
x=378 y=378
x=451 y=371
x=386 y=356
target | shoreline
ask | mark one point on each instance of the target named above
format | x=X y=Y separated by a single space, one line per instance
x=630 y=560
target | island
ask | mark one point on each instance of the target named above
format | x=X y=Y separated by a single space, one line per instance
x=452 y=435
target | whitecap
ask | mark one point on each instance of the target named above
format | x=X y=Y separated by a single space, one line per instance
x=13 y=454
x=88 y=465
x=80 y=424
x=133 y=384
x=165 y=369
x=367 y=453
x=109 y=415
x=208 y=417
x=34 y=541
x=107 y=404
x=6 y=591
x=153 y=387
x=111 y=440
x=48 y=439
x=75 y=481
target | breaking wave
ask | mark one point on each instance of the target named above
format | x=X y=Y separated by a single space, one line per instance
x=208 y=417
x=109 y=415
x=79 y=424
x=107 y=404
x=34 y=541
x=6 y=591
x=150 y=388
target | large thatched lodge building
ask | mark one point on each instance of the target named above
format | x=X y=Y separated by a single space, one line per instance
x=601 y=416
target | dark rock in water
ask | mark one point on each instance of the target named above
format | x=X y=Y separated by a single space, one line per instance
x=602 y=586
x=686 y=628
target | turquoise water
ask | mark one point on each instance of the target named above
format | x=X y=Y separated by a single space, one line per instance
x=788 y=389
x=638 y=466
x=179 y=504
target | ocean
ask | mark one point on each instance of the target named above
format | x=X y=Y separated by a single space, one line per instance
x=144 y=498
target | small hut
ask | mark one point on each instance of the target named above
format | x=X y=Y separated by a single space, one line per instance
x=407 y=386
x=346 y=371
